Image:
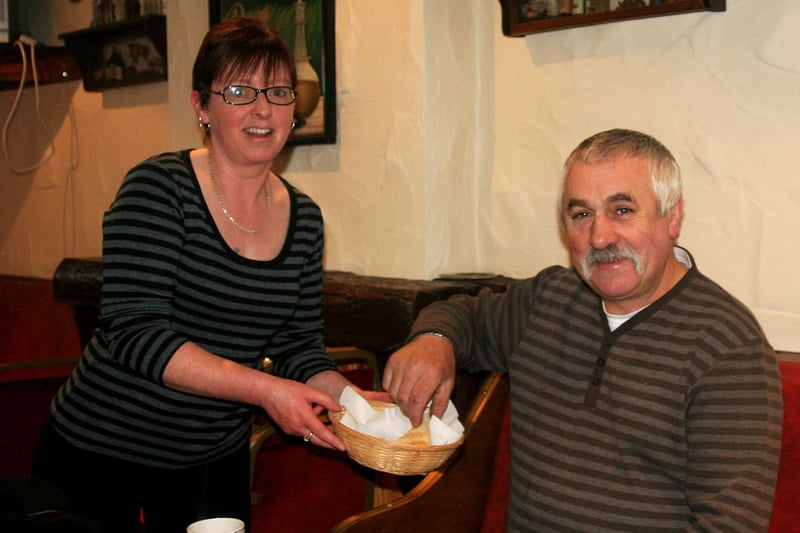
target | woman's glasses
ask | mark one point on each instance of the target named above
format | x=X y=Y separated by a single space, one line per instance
x=243 y=95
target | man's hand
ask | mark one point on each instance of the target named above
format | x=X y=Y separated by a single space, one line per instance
x=423 y=370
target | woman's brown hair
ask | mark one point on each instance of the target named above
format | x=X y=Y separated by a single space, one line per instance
x=237 y=47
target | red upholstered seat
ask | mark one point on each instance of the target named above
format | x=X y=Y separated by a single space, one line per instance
x=38 y=338
x=301 y=487
x=39 y=347
x=494 y=518
x=786 y=509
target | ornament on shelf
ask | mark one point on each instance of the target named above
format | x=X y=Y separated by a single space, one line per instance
x=308 y=85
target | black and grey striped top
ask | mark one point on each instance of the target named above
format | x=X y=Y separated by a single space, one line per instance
x=169 y=278
x=670 y=423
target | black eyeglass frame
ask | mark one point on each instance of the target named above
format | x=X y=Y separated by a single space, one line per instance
x=257 y=92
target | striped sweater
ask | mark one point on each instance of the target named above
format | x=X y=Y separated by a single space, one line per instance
x=670 y=423
x=169 y=278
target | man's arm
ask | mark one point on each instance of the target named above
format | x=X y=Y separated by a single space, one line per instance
x=469 y=332
x=734 y=455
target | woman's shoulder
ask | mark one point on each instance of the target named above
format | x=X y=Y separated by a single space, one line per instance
x=174 y=166
x=165 y=175
x=303 y=203
x=294 y=191
x=170 y=162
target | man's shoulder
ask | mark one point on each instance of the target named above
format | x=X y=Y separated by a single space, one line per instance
x=556 y=276
x=703 y=288
x=555 y=284
x=707 y=306
x=552 y=272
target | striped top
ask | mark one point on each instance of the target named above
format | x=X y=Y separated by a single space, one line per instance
x=168 y=278
x=670 y=423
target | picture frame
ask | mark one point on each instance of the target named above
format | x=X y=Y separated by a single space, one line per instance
x=523 y=17
x=315 y=107
x=120 y=54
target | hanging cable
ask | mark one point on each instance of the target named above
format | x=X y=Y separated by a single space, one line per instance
x=69 y=227
x=20 y=43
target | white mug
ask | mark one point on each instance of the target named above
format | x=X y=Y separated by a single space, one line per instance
x=217 y=525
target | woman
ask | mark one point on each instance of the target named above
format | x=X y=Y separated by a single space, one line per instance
x=211 y=262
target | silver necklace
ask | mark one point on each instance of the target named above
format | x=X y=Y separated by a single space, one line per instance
x=225 y=210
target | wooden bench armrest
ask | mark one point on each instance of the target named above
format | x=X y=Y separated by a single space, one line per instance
x=452 y=498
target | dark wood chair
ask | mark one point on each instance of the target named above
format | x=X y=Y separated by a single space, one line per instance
x=359 y=366
x=452 y=498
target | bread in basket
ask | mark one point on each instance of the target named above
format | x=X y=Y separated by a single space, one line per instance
x=404 y=457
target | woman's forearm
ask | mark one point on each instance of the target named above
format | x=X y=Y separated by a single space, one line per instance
x=197 y=371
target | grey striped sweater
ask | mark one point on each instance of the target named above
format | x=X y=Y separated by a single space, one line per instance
x=169 y=277
x=670 y=423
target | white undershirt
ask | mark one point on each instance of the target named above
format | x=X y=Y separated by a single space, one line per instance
x=615 y=321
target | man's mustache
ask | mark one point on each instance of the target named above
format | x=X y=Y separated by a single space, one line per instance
x=607 y=255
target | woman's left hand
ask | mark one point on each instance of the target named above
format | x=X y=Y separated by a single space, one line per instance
x=296 y=407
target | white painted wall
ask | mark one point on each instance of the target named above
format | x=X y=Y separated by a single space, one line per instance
x=451 y=137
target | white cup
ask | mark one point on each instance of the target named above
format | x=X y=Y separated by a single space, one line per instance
x=217 y=525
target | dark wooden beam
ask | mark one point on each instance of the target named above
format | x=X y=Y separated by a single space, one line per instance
x=374 y=313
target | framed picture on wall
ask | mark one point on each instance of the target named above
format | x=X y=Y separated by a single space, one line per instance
x=307 y=26
x=120 y=54
x=523 y=17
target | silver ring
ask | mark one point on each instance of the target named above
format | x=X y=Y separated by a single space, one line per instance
x=308 y=437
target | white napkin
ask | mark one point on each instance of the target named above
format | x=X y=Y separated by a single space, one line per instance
x=391 y=423
x=447 y=429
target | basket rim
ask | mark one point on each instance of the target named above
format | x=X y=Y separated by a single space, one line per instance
x=335 y=418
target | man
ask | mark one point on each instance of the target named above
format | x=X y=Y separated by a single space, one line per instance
x=644 y=396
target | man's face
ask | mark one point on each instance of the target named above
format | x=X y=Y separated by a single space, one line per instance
x=618 y=242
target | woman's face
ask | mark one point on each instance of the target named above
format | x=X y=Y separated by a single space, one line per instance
x=251 y=133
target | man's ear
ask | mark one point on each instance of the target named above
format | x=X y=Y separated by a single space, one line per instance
x=675 y=220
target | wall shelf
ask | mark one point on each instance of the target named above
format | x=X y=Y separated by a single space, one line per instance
x=120 y=54
x=518 y=22
x=53 y=65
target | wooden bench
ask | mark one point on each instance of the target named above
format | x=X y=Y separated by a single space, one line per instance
x=471 y=495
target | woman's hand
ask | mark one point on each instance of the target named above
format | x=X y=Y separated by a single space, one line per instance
x=292 y=405
x=296 y=407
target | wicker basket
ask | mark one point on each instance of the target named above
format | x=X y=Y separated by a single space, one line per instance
x=389 y=456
